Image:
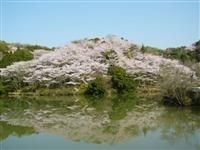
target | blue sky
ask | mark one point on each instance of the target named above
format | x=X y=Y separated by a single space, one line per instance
x=156 y=23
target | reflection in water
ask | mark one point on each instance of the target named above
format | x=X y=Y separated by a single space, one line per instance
x=177 y=123
x=7 y=129
x=77 y=119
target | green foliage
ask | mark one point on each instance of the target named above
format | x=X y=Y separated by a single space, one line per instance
x=121 y=81
x=194 y=94
x=97 y=87
x=34 y=47
x=129 y=53
x=183 y=54
x=111 y=129
x=174 y=85
x=12 y=84
x=95 y=40
x=3 y=47
x=122 y=104
x=196 y=68
x=196 y=53
x=151 y=50
x=2 y=89
x=3 y=85
x=197 y=43
x=6 y=60
x=178 y=53
x=4 y=54
x=109 y=56
x=143 y=49
x=7 y=129
x=133 y=47
x=23 y=53
x=18 y=55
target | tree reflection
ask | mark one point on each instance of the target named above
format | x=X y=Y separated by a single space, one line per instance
x=7 y=129
x=96 y=120
x=179 y=123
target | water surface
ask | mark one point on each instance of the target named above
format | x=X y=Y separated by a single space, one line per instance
x=75 y=123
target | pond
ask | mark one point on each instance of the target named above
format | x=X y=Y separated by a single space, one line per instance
x=74 y=123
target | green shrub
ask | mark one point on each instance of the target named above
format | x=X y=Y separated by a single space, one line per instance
x=197 y=43
x=174 y=84
x=180 y=54
x=196 y=68
x=3 y=47
x=194 y=94
x=2 y=89
x=196 y=53
x=96 y=87
x=184 y=55
x=34 y=47
x=12 y=84
x=151 y=50
x=143 y=49
x=6 y=60
x=21 y=55
x=121 y=81
x=109 y=56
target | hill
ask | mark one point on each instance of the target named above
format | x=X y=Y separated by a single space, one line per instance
x=106 y=65
x=80 y=60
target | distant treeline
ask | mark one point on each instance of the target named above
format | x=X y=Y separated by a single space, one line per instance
x=180 y=53
x=21 y=53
